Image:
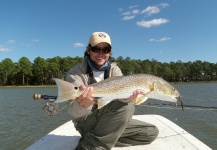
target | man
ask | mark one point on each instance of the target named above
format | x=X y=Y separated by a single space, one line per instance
x=112 y=125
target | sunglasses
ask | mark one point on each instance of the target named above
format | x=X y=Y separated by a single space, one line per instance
x=97 y=49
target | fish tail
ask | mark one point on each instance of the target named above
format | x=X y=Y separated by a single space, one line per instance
x=65 y=90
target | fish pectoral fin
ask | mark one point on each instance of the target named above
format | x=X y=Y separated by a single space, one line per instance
x=143 y=97
x=151 y=87
x=101 y=104
x=140 y=99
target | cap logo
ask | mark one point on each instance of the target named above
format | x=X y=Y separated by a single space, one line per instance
x=102 y=35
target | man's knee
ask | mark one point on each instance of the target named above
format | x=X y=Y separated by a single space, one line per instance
x=145 y=136
x=149 y=134
x=116 y=109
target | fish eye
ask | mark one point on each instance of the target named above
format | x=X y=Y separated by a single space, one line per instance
x=174 y=89
x=76 y=88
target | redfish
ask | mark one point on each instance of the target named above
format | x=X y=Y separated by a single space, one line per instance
x=121 y=88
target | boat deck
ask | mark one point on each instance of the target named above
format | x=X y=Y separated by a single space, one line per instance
x=171 y=137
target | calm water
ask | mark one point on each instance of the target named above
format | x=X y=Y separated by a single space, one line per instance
x=22 y=121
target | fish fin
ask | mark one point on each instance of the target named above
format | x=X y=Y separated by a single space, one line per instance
x=143 y=97
x=140 y=99
x=152 y=87
x=65 y=90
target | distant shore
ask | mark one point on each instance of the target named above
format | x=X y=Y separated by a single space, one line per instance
x=28 y=86
x=193 y=82
x=45 y=86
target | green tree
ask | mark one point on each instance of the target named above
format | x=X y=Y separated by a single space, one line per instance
x=167 y=72
x=7 y=67
x=53 y=70
x=58 y=61
x=43 y=70
x=146 y=67
x=128 y=63
x=156 y=68
x=137 y=66
x=25 y=69
x=14 y=74
x=213 y=71
x=66 y=64
x=1 y=74
x=197 y=70
x=40 y=70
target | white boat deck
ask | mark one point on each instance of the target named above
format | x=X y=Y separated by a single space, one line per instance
x=171 y=137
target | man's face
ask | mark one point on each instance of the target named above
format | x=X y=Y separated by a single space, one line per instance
x=100 y=53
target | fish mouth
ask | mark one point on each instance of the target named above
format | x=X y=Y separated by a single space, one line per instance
x=180 y=99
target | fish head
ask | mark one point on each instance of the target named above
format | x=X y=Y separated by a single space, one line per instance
x=167 y=89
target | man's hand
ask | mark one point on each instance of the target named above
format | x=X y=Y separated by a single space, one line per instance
x=85 y=99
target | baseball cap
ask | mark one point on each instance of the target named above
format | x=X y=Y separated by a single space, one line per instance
x=98 y=37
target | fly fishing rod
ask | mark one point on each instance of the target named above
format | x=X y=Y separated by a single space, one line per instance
x=195 y=107
x=50 y=108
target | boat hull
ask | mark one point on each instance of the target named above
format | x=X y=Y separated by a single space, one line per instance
x=171 y=137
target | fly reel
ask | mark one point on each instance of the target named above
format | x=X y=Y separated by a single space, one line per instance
x=50 y=108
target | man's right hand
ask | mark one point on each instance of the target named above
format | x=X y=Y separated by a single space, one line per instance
x=85 y=99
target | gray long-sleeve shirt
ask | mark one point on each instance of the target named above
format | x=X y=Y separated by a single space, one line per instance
x=78 y=76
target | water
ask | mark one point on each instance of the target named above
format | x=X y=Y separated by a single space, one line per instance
x=22 y=121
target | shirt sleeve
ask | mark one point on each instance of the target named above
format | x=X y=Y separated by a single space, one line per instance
x=115 y=70
x=76 y=111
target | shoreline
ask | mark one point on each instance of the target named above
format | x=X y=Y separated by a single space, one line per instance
x=45 y=86
x=28 y=86
x=193 y=82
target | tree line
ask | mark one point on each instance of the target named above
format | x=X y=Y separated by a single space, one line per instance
x=42 y=71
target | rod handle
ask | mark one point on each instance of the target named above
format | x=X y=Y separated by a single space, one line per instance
x=37 y=96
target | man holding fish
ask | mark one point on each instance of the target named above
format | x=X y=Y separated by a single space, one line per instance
x=112 y=125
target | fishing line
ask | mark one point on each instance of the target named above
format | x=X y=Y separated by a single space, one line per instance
x=167 y=106
x=64 y=107
x=50 y=108
x=170 y=106
x=201 y=100
x=164 y=106
x=68 y=103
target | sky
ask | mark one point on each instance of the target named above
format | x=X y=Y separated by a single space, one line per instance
x=164 y=30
